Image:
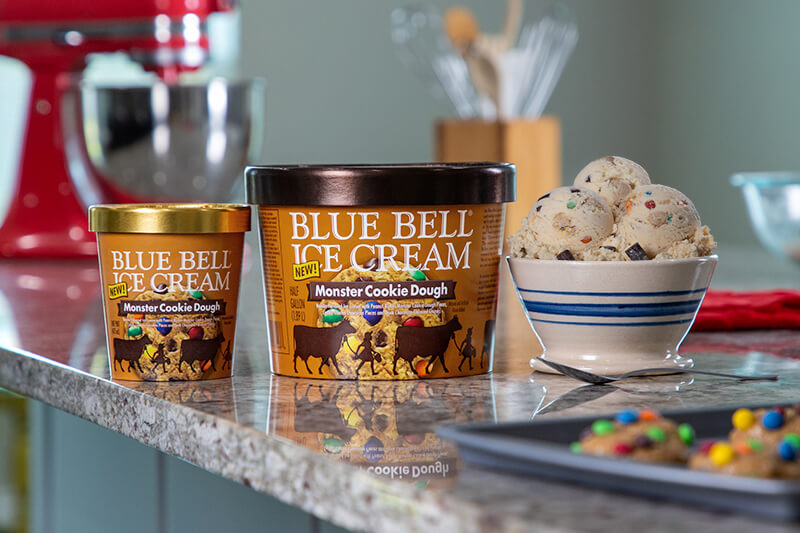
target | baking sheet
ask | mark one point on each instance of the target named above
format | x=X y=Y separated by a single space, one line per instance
x=540 y=448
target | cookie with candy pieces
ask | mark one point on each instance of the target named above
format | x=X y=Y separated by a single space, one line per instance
x=750 y=458
x=642 y=435
x=768 y=426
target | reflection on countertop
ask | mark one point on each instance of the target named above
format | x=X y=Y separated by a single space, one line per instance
x=309 y=442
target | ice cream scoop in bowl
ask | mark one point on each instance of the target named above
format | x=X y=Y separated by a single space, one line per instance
x=611 y=317
x=773 y=203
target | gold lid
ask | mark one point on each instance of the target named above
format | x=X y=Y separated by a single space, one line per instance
x=169 y=218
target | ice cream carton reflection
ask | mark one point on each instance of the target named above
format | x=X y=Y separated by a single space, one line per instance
x=386 y=427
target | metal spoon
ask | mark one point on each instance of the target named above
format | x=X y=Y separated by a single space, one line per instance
x=598 y=379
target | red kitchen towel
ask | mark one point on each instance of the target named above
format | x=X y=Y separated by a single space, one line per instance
x=734 y=310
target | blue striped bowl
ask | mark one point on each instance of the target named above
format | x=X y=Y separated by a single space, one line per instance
x=612 y=317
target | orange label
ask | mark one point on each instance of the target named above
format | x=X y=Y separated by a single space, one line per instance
x=171 y=303
x=381 y=292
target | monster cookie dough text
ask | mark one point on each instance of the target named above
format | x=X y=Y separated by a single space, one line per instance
x=398 y=290
x=172 y=307
x=413 y=471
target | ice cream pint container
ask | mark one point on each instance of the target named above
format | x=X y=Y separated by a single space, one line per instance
x=381 y=271
x=170 y=283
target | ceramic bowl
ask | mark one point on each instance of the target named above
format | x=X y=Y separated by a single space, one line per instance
x=611 y=317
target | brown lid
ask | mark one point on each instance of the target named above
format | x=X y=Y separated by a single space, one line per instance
x=169 y=218
x=394 y=184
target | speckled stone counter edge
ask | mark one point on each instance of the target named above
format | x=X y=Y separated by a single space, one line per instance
x=339 y=492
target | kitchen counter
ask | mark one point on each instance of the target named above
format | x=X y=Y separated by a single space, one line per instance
x=365 y=455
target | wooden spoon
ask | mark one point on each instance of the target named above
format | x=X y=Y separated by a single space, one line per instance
x=483 y=52
x=461 y=27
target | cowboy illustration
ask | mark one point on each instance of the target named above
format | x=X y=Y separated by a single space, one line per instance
x=466 y=349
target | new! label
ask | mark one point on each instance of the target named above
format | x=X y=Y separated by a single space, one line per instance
x=306 y=270
x=117 y=290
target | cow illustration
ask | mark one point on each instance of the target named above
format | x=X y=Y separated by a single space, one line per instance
x=130 y=351
x=488 y=339
x=200 y=350
x=413 y=341
x=320 y=342
x=322 y=416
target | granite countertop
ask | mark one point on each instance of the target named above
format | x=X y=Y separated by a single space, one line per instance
x=365 y=455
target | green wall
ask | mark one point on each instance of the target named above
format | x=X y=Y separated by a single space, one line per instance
x=693 y=89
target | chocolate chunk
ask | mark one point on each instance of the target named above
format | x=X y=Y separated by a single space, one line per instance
x=610 y=158
x=574 y=190
x=381 y=422
x=363 y=278
x=538 y=208
x=643 y=441
x=523 y=251
x=371 y=264
x=542 y=197
x=172 y=345
x=637 y=253
x=588 y=178
x=612 y=248
x=162 y=288
x=566 y=255
x=381 y=339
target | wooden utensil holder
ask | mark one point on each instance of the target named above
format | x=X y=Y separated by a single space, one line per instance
x=533 y=145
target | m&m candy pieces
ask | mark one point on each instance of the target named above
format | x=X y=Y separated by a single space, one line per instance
x=789 y=447
x=772 y=419
x=743 y=419
x=721 y=453
x=164 y=325
x=372 y=312
x=627 y=417
x=686 y=434
x=332 y=315
x=602 y=427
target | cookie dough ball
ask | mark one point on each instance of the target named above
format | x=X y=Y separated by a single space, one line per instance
x=657 y=217
x=571 y=218
x=642 y=435
x=769 y=426
x=750 y=458
x=613 y=178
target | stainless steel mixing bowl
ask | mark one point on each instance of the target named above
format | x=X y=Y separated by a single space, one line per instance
x=161 y=142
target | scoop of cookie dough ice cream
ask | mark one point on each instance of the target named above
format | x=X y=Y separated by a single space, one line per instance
x=566 y=218
x=664 y=222
x=613 y=178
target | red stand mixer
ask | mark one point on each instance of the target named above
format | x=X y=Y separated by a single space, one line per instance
x=53 y=38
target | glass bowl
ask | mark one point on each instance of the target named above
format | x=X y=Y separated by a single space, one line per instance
x=773 y=203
